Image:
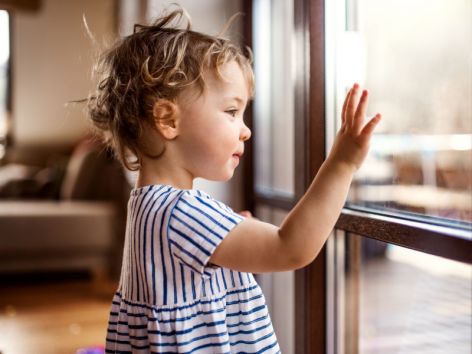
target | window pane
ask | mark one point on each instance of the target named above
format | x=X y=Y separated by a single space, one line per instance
x=279 y=289
x=409 y=302
x=274 y=102
x=415 y=58
x=4 y=62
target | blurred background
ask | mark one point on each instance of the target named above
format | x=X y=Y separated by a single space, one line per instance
x=62 y=196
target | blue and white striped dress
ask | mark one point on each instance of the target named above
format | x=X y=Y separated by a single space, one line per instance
x=170 y=299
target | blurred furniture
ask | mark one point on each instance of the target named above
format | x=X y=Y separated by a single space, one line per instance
x=83 y=228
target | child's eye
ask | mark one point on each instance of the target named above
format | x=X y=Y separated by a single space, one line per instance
x=232 y=112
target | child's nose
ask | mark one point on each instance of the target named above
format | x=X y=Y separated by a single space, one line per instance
x=245 y=133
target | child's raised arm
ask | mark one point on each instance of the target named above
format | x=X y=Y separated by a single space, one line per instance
x=256 y=246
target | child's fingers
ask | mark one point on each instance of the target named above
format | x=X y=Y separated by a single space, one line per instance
x=358 y=121
x=346 y=100
x=351 y=105
x=369 y=127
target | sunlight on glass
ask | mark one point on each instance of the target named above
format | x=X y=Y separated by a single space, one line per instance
x=4 y=37
x=418 y=74
x=4 y=57
x=273 y=36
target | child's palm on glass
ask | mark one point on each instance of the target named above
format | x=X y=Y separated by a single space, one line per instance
x=352 y=141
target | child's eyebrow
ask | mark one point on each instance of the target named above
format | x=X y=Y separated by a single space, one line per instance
x=236 y=98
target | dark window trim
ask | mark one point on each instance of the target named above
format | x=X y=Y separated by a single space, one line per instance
x=310 y=140
x=27 y=6
x=437 y=240
x=310 y=282
x=248 y=185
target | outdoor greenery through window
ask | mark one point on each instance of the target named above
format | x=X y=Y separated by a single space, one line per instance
x=415 y=58
x=4 y=77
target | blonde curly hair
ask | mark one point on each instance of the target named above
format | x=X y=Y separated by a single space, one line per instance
x=157 y=61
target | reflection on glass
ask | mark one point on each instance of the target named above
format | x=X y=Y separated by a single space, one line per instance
x=274 y=102
x=4 y=58
x=411 y=302
x=415 y=58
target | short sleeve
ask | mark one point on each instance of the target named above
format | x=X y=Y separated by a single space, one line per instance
x=197 y=225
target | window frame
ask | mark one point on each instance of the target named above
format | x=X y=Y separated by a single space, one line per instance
x=440 y=241
x=313 y=282
x=310 y=282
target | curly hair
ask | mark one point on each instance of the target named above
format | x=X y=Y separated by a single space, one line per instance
x=156 y=61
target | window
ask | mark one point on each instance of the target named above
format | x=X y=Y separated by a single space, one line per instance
x=398 y=272
x=289 y=147
x=4 y=79
x=428 y=307
x=274 y=103
x=273 y=128
x=390 y=211
x=420 y=165
x=419 y=170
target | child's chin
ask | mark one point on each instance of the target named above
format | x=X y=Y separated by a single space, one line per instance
x=229 y=176
x=222 y=178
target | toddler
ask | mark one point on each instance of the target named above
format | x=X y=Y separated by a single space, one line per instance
x=171 y=104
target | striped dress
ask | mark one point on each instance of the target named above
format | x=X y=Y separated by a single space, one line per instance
x=170 y=299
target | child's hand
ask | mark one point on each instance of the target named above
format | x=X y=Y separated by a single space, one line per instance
x=353 y=139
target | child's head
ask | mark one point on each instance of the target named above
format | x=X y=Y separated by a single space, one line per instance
x=157 y=65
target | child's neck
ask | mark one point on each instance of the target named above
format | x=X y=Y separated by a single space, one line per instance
x=153 y=172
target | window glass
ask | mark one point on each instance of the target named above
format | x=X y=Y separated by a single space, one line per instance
x=4 y=63
x=279 y=289
x=273 y=32
x=408 y=302
x=415 y=58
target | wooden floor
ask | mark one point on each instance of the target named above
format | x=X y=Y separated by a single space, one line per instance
x=56 y=315
x=63 y=313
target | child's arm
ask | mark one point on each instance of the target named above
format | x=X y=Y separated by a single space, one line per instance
x=256 y=246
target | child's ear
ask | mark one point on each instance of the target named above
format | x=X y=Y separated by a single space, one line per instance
x=166 y=118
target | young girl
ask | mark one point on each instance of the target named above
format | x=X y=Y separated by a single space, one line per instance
x=171 y=103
